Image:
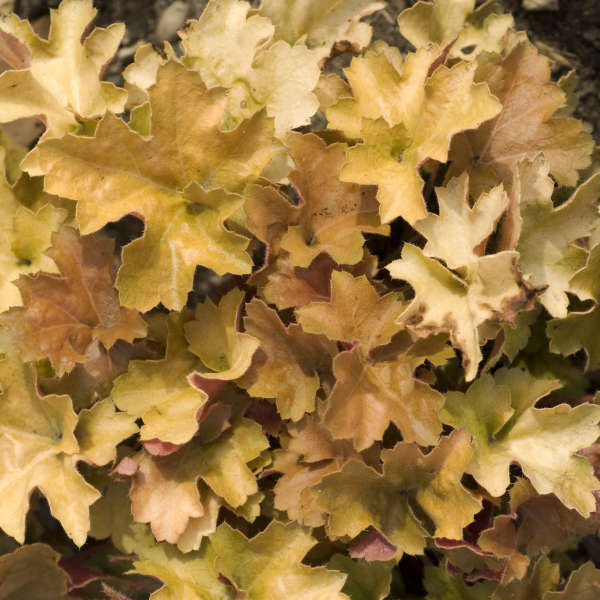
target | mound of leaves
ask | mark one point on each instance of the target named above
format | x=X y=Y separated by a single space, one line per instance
x=354 y=361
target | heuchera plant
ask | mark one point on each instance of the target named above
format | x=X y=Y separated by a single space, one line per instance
x=337 y=399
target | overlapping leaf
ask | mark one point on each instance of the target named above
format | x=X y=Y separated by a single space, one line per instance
x=307 y=456
x=288 y=364
x=140 y=76
x=367 y=396
x=191 y=576
x=331 y=215
x=320 y=25
x=545 y=523
x=168 y=178
x=577 y=329
x=543 y=576
x=495 y=555
x=38 y=450
x=405 y=115
x=355 y=313
x=213 y=336
x=501 y=541
x=65 y=315
x=546 y=243
x=100 y=429
x=520 y=79
x=500 y=414
x=158 y=391
x=272 y=566
x=286 y=286
x=492 y=287
x=164 y=490
x=24 y=236
x=324 y=229
x=298 y=451
x=469 y=30
x=457 y=233
x=359 y=497
x=59 y=78
x=229 y=48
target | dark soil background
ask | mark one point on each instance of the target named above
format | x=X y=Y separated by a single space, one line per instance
x=570 y=34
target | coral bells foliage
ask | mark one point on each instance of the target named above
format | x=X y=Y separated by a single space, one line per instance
x=309 y=350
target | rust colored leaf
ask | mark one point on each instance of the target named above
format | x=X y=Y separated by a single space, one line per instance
x=62 y=315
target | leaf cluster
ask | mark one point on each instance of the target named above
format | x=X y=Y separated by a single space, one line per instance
x=357 y=329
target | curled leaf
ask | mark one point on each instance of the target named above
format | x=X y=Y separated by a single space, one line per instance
x=212 y=335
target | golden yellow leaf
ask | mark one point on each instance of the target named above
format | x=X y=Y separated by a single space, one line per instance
x=167 y=178
x=213 y=336
x=60 y=77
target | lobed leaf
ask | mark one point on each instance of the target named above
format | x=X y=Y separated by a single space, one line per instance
x=292 y=430
x=38 y=449
x=466 y=29
x=191 y=576
x=259 y=71
x=444 y=302
x=159 y=392
x=170 y=183
x=59 y=77
x=272 y=565
x=358 y=496
x=546 y=243
x=64 y=315
x=355 y=313
x=526 y=125
x=213 y=336
x=288 y=365
x=366 y=397
x=500 y=415
x=412 y=121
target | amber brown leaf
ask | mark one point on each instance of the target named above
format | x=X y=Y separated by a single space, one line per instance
x=63 y=315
